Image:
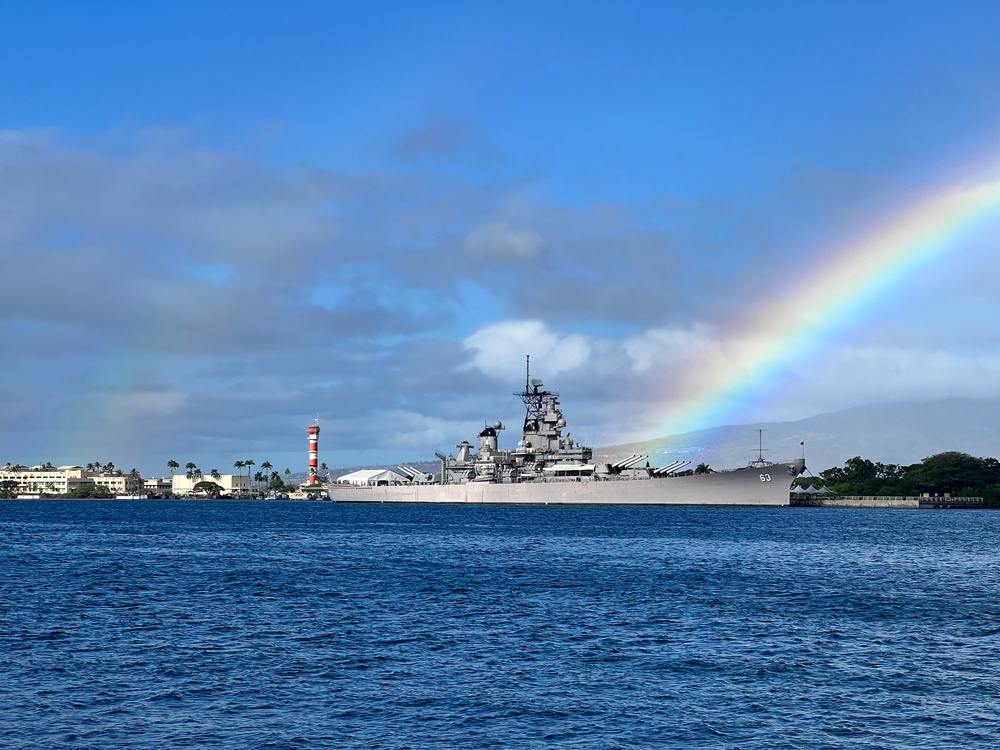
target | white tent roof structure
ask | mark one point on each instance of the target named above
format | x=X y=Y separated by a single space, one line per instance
x=371 y=477
x=814 y=490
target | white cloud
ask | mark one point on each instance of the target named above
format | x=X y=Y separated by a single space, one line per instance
x=139 y=232
x=664 y=348
x=498 y=350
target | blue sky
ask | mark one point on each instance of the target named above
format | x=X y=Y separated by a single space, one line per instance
x=221 y=220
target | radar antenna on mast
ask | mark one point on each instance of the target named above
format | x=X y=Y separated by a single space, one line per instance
x=761 y=450
x=532 y=396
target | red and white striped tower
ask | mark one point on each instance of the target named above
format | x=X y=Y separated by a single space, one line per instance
x=313 y=432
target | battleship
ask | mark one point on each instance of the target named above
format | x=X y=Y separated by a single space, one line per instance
x=550 y=468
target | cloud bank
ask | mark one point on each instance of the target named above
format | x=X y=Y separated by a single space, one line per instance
x=346 y=222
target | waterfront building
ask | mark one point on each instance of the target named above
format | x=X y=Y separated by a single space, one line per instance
x=63 y=480
x=158 y=486
x=119 y=484
x=231 y=484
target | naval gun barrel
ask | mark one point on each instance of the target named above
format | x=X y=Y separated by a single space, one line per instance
x=409 y=472
x=418 y=476
x=670 y=468
x=629 y=463
x=414 y=475
x=622 y=464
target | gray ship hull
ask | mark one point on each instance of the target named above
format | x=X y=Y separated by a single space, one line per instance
x=760 y=485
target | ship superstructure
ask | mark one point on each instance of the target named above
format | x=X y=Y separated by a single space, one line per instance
x=542 y=453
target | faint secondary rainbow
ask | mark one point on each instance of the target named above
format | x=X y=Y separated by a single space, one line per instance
x=750 y=360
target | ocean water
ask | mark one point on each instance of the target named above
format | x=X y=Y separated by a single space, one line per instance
x=186 y=624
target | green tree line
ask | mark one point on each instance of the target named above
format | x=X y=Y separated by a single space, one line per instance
x=953 y=473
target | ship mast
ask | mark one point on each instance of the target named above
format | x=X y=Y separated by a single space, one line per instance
x=532 y=398
x=759 y=461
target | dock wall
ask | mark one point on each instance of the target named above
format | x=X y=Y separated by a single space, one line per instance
x=861 y=501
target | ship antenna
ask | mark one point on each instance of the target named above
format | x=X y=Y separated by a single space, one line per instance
x=760 y=450
x=527 y=371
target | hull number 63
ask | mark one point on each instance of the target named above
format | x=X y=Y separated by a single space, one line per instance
x=765 y=477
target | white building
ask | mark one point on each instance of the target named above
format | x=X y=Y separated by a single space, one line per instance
x=158 y=486
x=119 y=484
x=63 y=480
x=231 y=484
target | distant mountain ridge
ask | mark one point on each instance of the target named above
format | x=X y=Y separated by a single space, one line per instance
x=900 y=433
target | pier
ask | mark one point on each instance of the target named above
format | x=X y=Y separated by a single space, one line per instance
x=872 y=501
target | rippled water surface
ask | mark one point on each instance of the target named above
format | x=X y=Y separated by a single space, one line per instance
x=319 y=625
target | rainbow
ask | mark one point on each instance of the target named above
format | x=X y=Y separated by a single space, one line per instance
x=750 y=362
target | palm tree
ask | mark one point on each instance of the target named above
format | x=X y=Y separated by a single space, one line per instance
x=216 y=474
x=265 y=467
x=238 y=465
x=190 y=466
x=173 y=466
x=248 y=463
